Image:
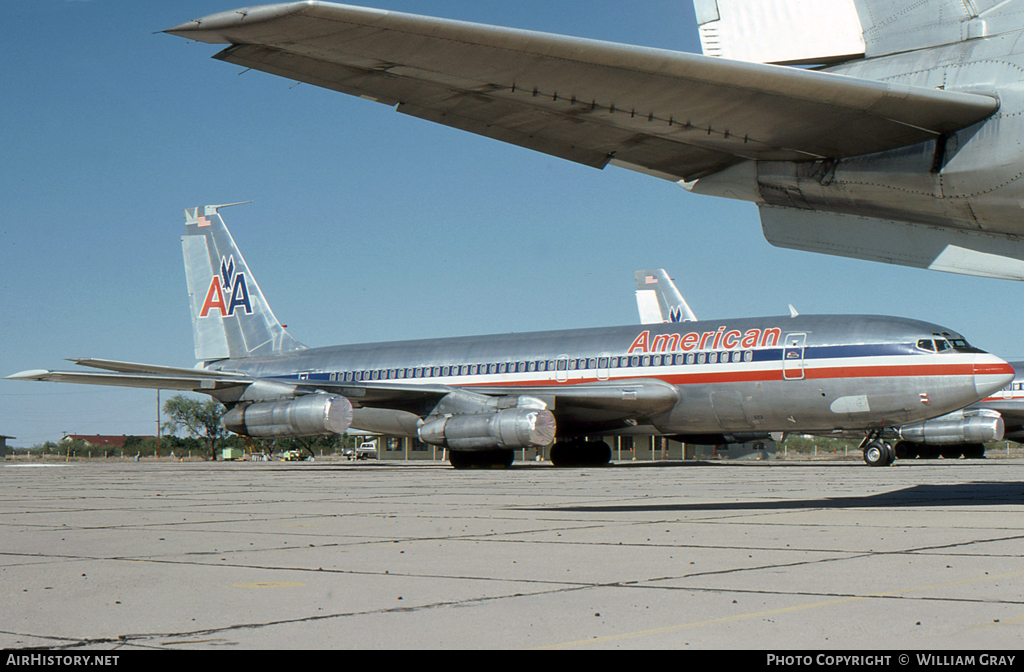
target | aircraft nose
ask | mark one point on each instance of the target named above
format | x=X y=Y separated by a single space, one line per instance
x=991 y=374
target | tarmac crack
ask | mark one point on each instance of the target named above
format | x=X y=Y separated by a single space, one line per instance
x=148 y=638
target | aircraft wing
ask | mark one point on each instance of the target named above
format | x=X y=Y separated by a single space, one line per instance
x=593 y=404
x=152 y=381
x=671 y=114
x=156 y=377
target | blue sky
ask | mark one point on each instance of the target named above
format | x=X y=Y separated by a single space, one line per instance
x=366 y=225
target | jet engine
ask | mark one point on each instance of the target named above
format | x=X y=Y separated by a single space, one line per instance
x=511 y=428
x=950 y=431
x=311 y=415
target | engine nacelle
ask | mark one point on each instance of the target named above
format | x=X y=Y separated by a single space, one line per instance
x=311 y=415
x=945 y=432
x=511 y=428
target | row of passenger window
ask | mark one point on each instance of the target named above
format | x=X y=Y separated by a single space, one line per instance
x=543 y=366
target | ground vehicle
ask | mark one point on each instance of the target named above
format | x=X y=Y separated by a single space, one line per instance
x=367 y=450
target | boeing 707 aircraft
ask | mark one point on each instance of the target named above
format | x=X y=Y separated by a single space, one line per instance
x=483 y=397
x=899 y=145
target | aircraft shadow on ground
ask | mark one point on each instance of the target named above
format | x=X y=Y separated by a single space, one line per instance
x=981 y=493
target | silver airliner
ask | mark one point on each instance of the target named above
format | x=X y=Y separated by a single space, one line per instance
x=898 y=145
x=962 y=433
x=483 y=397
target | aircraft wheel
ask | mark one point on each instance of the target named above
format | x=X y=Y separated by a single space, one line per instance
x=952 y=452
x=498 y=458
x=905 y=450
x=879 y=454
x=580 y=454
x=974 y=451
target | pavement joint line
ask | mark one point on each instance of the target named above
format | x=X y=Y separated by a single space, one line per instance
x=773 y=612
x=135 y=638
x=800 y=593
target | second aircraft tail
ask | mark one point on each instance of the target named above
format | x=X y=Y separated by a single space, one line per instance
x=658 y=299
x=230 y=317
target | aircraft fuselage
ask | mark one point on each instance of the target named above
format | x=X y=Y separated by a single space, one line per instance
x=810 y=373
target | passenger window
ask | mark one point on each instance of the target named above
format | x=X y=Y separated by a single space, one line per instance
x=690 y=359
x=748 y=356
x=713 y=358
x=702 y=358
x=603 y=364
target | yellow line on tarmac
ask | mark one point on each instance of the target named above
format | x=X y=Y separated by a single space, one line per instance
x=771 y=612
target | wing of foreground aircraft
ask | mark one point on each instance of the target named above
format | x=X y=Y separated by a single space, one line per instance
x=681 y=116
x=899 y=148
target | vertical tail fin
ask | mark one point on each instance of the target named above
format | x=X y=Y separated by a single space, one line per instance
x=658 y=299
x=230 y=317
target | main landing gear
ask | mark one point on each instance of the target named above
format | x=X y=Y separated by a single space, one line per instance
x=877 y=453
x=580 y=454
x=496 y=458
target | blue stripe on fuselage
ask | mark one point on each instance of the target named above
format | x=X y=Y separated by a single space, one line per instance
x=766 y=355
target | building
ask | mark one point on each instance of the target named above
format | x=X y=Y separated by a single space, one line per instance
x=4 y=450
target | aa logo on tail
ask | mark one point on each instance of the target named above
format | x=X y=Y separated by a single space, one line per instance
x=230 y=284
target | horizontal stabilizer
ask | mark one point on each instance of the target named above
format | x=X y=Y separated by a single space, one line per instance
x=672 y=114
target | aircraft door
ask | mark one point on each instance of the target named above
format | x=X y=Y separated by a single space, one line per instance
x=562 y=369
x=793 y=356
x=603 y=372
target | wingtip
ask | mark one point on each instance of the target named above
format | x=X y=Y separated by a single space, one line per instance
x=209 y=28
x=34 y=374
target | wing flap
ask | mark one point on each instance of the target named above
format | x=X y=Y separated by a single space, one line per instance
x=588 y=101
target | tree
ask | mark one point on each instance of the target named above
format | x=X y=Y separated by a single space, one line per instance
x=200 y=419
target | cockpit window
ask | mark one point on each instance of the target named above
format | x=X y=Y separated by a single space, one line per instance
x=946 y=345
